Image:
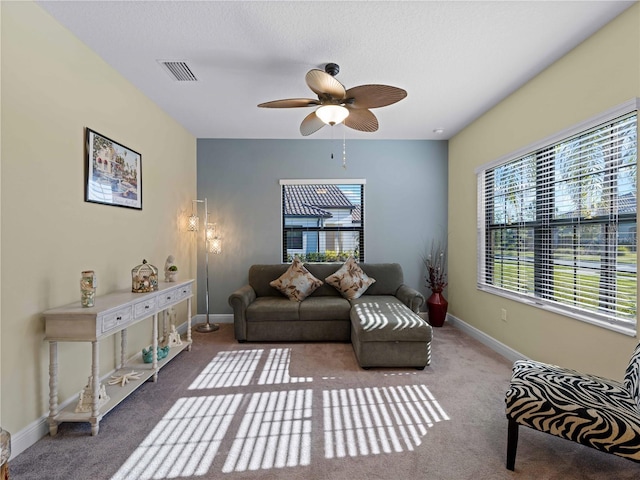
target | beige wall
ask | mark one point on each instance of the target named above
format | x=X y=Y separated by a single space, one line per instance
x=599 y=74
x=52 y=87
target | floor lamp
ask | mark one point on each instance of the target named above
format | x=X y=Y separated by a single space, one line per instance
x=213 y=244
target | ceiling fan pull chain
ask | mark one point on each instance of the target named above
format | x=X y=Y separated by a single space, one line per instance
x=332 y=144
x=344 y=149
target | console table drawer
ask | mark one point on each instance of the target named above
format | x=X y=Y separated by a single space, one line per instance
x=145 y=308
x=184 y=292
x=116 y=319
x=167 y=297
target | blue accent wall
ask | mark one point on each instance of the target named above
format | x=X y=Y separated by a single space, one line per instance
x=405 y=201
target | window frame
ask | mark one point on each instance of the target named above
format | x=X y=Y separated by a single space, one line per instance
x=618 y=324
x=286 y=229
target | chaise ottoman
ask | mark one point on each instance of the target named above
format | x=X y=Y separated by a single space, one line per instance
x=386 y=333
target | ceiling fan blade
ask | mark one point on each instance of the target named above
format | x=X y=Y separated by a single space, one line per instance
x=323 y=84
x=290 y=103
x=374 y=96
x=311 y=124
x=361 y=119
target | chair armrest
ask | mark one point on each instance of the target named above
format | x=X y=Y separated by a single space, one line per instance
x=410 y=297
x=239 y=301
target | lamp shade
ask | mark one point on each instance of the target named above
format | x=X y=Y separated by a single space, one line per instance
x=193 y=223
x=215 y=245
x=332 y=114
x=213 y=240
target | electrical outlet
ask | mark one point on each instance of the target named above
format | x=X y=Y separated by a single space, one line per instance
x=504 y=315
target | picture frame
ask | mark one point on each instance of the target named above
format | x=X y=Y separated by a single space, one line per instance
x=113 y=172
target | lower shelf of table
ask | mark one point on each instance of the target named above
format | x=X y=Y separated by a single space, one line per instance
x=118 y=393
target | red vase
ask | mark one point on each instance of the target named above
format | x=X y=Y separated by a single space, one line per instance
x=437 y=308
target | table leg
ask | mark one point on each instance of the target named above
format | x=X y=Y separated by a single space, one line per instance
x=53 y=388
x=165 y=328
x=154 y=348
x=189 y=323
x=123 y=347
x=95 y=383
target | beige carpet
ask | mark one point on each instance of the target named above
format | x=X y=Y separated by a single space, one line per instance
x=307 y=411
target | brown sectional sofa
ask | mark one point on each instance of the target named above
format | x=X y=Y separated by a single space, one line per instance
x=396 y=337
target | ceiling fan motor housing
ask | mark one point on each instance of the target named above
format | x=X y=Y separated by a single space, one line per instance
x=332 y=69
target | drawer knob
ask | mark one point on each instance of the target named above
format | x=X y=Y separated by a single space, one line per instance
x=118 y=318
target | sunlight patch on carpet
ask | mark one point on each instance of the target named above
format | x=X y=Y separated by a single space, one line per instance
x=272 y=430
x=375 y=420
x=276 y=370
x=228 y=369
x=238 y=368
x=185 y=442
x=275 y=432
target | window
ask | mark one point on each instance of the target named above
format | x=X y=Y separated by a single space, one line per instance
x=322 y=220
x=557 y=225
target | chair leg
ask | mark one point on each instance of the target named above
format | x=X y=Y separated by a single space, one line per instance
x=512 y=444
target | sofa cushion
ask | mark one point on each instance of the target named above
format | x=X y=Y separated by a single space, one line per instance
x=388 y=277
x=296 y=283
x=386 y=319
x=260 y=275
x=325 y=308
x=376 y=300
x=323 y=270
x=350 y=280
x=272 y=308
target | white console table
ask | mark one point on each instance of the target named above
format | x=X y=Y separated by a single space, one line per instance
x=111 y=313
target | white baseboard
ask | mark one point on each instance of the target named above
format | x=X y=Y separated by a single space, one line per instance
x=40 y=427
x=32 y=433
x=498 y=347
x=213 y=318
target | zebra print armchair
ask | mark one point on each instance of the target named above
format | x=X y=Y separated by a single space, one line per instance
x=593 y=411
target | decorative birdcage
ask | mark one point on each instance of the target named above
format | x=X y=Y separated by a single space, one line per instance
x=144 y=278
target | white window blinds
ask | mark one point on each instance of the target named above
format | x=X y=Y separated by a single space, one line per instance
x=557 y=226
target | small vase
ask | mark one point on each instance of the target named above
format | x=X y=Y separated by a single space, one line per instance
x=437 y=308
x=88 y=288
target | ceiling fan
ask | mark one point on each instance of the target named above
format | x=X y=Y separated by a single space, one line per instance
x=337 y=105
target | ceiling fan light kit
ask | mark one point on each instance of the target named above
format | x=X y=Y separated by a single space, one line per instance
x=332 y=114
x=337 y=105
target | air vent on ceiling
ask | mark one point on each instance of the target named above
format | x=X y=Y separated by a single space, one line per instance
x=180 y=71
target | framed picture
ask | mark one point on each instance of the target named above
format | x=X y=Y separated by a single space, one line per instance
x=113 y=173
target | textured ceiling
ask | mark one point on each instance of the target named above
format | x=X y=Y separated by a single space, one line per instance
x=456 y=59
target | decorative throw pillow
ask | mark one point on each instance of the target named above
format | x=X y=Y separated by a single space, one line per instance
x=350 y=280
x=296 y=283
